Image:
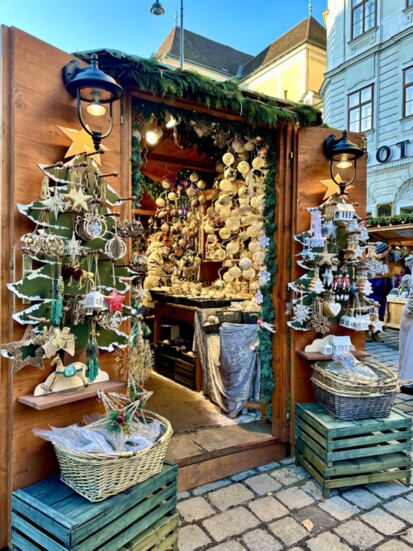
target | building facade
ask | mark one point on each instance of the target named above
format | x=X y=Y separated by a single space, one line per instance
x=368 y=88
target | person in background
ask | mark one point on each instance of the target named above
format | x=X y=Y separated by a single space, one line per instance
x=157 y=253
x=381 y=285
x=406 y=337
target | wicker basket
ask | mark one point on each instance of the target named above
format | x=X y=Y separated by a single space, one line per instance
x=387 y=382
x=98 y=476
x=249 y=317
x=212 y=328
x=229 y=316
x=351 y=406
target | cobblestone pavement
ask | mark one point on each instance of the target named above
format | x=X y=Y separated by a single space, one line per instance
x=263 y=509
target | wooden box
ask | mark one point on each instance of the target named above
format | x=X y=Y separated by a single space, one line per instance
x=50 y=516
x=348 y=453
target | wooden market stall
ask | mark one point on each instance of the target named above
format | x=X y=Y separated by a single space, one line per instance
x=34 y=104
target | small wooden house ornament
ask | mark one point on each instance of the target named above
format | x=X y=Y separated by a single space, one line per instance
x=343 y=214
x=341 y=345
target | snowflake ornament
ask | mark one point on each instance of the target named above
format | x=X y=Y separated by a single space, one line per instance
x=320 y=323
x=264 y=241
x=301 y=313
x=265 y=276
x=374 y=267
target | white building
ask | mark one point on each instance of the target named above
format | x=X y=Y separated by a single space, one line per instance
x=368 y=87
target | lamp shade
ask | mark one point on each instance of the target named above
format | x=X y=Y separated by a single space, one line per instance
x=89 y=80
x=334 y=148
x=157 y=9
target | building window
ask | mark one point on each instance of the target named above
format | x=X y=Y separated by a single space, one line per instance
x=360 y=109
x=409 y=3
x=363 y=16
x=385 y=209
x=408 y=91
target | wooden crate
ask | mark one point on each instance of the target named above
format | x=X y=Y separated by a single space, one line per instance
x=161 y=536
x=348 y=453
x=50 y=516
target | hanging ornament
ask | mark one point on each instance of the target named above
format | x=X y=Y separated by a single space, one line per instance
x=45 y=189
x=52 y=245
x=55 y=203
x=115 y=301
x=92 y=356
x=301 y=313
x=317 y=240
x=59 y=339
x=78 y=312
x=138 y=263
x=77 y=200
x=56 y=294
x=109 y=320
x=15 y=350
x=73 y=249
x=138 y=293
x=91 y=225
x=316 y=285
x=30 y=243
x=94 y=300
x=116 y=247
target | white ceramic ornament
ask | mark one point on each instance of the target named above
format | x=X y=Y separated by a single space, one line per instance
x=245 y=263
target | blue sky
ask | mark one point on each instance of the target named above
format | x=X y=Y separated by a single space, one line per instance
x=127 y=25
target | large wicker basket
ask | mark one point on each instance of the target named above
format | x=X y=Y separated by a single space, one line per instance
x=98 y=476
x=353 y=406
x=387 y=380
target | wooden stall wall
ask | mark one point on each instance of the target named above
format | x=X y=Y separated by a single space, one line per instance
x=311 y=167
x=34 y=101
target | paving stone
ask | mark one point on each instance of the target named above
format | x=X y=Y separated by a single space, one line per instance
x=294 y=498
x=242 y=476
x=394 y=545
x=327 y=542
x=271 y=466
x=287 y=461
x=408 y=536
x=314 y=489
x=232 y=495
x=288 y=530
x=211 y=486
x=407 y=408
x=262 y=484
x=321 y=520
x=192 y=537
x=260 y=540
x=267 y=508
x=233 y=522
x=339 y=508
x=195 y=508
x=383 y=522
x=402 y=508
x=356 y=533
x=183 y=495
x=362 y=498
x=388 y=489
x=291 y=474
x=228 y=546
x=409 y=496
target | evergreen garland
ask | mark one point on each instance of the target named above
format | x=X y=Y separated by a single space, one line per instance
x=267 y=307
x=159 y=80
x=389 y=220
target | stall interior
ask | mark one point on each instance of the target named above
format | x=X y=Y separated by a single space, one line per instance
x=205 y=191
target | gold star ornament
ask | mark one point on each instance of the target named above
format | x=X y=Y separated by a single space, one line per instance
x=81 y=142
x=77 y=200
x=332 y=188
x=14 y=351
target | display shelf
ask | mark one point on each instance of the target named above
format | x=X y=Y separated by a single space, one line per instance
x=58 y=399
x=314 y=356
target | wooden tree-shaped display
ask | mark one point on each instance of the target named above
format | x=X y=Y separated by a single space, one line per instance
x=77 y=290
x=338 y=262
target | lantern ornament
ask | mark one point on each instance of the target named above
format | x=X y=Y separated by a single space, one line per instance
x=96 y=88
x=94 y=300
x=343 y=155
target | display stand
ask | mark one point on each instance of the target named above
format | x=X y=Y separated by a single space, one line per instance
x=347 y=453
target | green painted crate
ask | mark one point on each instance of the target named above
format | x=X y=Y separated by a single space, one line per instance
x=50 y=516
x=348 y=453
x=161 y=536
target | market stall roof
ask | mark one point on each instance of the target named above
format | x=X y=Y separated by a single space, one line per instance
x=159 y=80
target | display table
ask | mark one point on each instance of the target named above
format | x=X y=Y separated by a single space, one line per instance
x=394 y=310
x=50 y=516
x=348 y=453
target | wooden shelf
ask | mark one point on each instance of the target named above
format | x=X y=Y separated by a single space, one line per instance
x=58 y=399
x=314 y=356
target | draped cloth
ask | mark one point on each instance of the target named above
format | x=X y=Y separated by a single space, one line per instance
x=406 y=338
x=230 y=364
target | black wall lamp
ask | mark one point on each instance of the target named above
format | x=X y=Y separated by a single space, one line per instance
x=343 y=155
x=96 y=88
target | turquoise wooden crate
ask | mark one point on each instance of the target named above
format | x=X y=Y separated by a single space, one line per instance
x=50 y=516
x=348 y=453
x=161 y=536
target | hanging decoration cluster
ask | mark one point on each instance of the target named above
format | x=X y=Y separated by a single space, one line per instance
x=338 y=262
x=77 y=293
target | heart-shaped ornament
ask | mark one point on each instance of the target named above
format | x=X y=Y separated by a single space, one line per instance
x=331 y=309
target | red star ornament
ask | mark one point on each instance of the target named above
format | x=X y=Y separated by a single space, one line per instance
x=115 y=301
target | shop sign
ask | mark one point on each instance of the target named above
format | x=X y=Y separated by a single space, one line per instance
x=385 y=152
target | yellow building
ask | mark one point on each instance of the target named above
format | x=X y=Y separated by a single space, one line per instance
x=292 y=67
